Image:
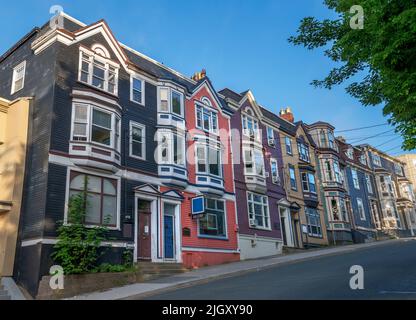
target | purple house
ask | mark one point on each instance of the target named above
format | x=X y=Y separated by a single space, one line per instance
x=258 y=174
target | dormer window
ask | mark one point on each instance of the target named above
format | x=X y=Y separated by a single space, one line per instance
x=376 y=159
x=250 y=125
x=171 y=101
x=363 y=159
x=350 y=153
x=96 y=69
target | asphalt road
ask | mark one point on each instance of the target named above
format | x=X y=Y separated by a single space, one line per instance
x=389 y=273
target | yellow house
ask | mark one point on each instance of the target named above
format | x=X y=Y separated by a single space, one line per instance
x=302 y=186
x=14 y=120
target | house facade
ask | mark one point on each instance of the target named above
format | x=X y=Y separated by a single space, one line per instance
x=257 y=160
x=362 y=193
x=14 y=131
x=106 y=114
x=410 y=168
x=335 y=193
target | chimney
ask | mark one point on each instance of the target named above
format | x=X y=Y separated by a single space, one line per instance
x=342 y=139
x=200 y=75
x=287 y=114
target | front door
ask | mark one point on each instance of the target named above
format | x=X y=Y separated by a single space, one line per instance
x=144 y=232
x=169 y=237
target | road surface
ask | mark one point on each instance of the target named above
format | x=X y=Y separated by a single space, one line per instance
x=389 y=273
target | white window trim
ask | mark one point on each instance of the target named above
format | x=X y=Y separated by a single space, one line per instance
x=302 y=146
x=244 y=121
x=207 y=146
x=275 y=180
x=143 y=90
x=254 y=173
x=287 y=139
x=204 y=236
x=355 y=179
x=369 y=185
x=91 y=108
x=143 y=128
x=263 y=210
x=271 y=140
x=360 y=204
x=212 y=112
x=171 y=152
x=170 y=94
x=13 y=89
x=87 y=172
x=93 y=56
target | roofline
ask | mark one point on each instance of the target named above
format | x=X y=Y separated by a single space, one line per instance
x=18 y=44
x=384 y=154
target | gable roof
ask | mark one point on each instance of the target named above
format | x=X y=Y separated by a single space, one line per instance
x=301 y=124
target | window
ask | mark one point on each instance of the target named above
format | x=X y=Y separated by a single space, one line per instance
x=376 y=159
x=206 y=119
x=344 y=213
x=335 y=209
x=137 y=141
x=171 y=149
x=258 y=209
x=398 y=169
x=323 y=137
x=312 y=183
x=254 y=162
x=98 y=71
x=171 y=101
x=369 y=185
x=270 y=137
x=275 y=171
x=328 y=169
x=303 y=152
x=137 y=90
x=18 y=81
x=305 y=182
x=308 y=182
x=288 y=143
x=250 y=126
x=314 y=222
x=337 y=171
x=292 y=175
x=208 y=159
x=355 y=179
x=363 y=159
x=213 y=224
x=331 y=140
x=92 y=124
x=350 y=153
x=361 y=211
x=101 y=198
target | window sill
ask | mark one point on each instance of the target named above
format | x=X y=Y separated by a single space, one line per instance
x=261 y=229
x=114 y=95
x=141 y=104
x=213 y=238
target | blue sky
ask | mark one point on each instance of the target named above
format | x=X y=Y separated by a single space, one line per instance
x=242 y=44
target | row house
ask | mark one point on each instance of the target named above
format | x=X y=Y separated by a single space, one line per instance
x=397 y=202
x=258 y=164
x=362 y=193
x=103 y=112
x=335 y=192
x=410 y=168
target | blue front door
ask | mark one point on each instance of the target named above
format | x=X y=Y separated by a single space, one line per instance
x=169 y=239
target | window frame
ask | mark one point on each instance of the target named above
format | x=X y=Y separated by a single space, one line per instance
x=289 y=146
x=304 y=153
x=355 y=179
x=143 y=89
x=376 y=159
x=211 y=113
x=294 y=186
x=206 y=236
x=369 y=184
x=171 y=148
x=207 y=147
x=311 y=212
x=265 y=211
x=245 y=118
x=15 y=79
x=361 y=213
x=108 y=63
x=271 y=140
x=254 y=151
x=143 y=128
x=115 y=132
x=276 y=177
x=171 y=90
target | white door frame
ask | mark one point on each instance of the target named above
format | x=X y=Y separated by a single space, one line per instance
x=177 y=231
x=288 y=225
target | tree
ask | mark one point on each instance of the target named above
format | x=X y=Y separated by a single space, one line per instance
x=382 y=55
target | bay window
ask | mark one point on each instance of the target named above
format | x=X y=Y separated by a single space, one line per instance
x=206 y=119
x=96 y=125
x=250 y=126
x=254 y=161
x=314 y=222
x=258 y=208
x=208 y=159
x=171 y=101
x=213 y=224
x=308 y=182
x=98 y=71
x=337 y=170
x=171 y=149
x=100 y=199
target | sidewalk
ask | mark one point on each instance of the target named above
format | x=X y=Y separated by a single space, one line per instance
x=142 y=290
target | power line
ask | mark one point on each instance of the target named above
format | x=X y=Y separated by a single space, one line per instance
x=391 y=140
x=385 y=151
x=366 y=137
x=374 y=136
x=363 y=128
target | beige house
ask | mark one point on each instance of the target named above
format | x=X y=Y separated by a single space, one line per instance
x=302 y=186
x=14 y=117
x=410 y=168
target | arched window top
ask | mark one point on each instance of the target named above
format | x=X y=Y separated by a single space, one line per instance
x=249 y=112
x=101 y=51
x=206 y=101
